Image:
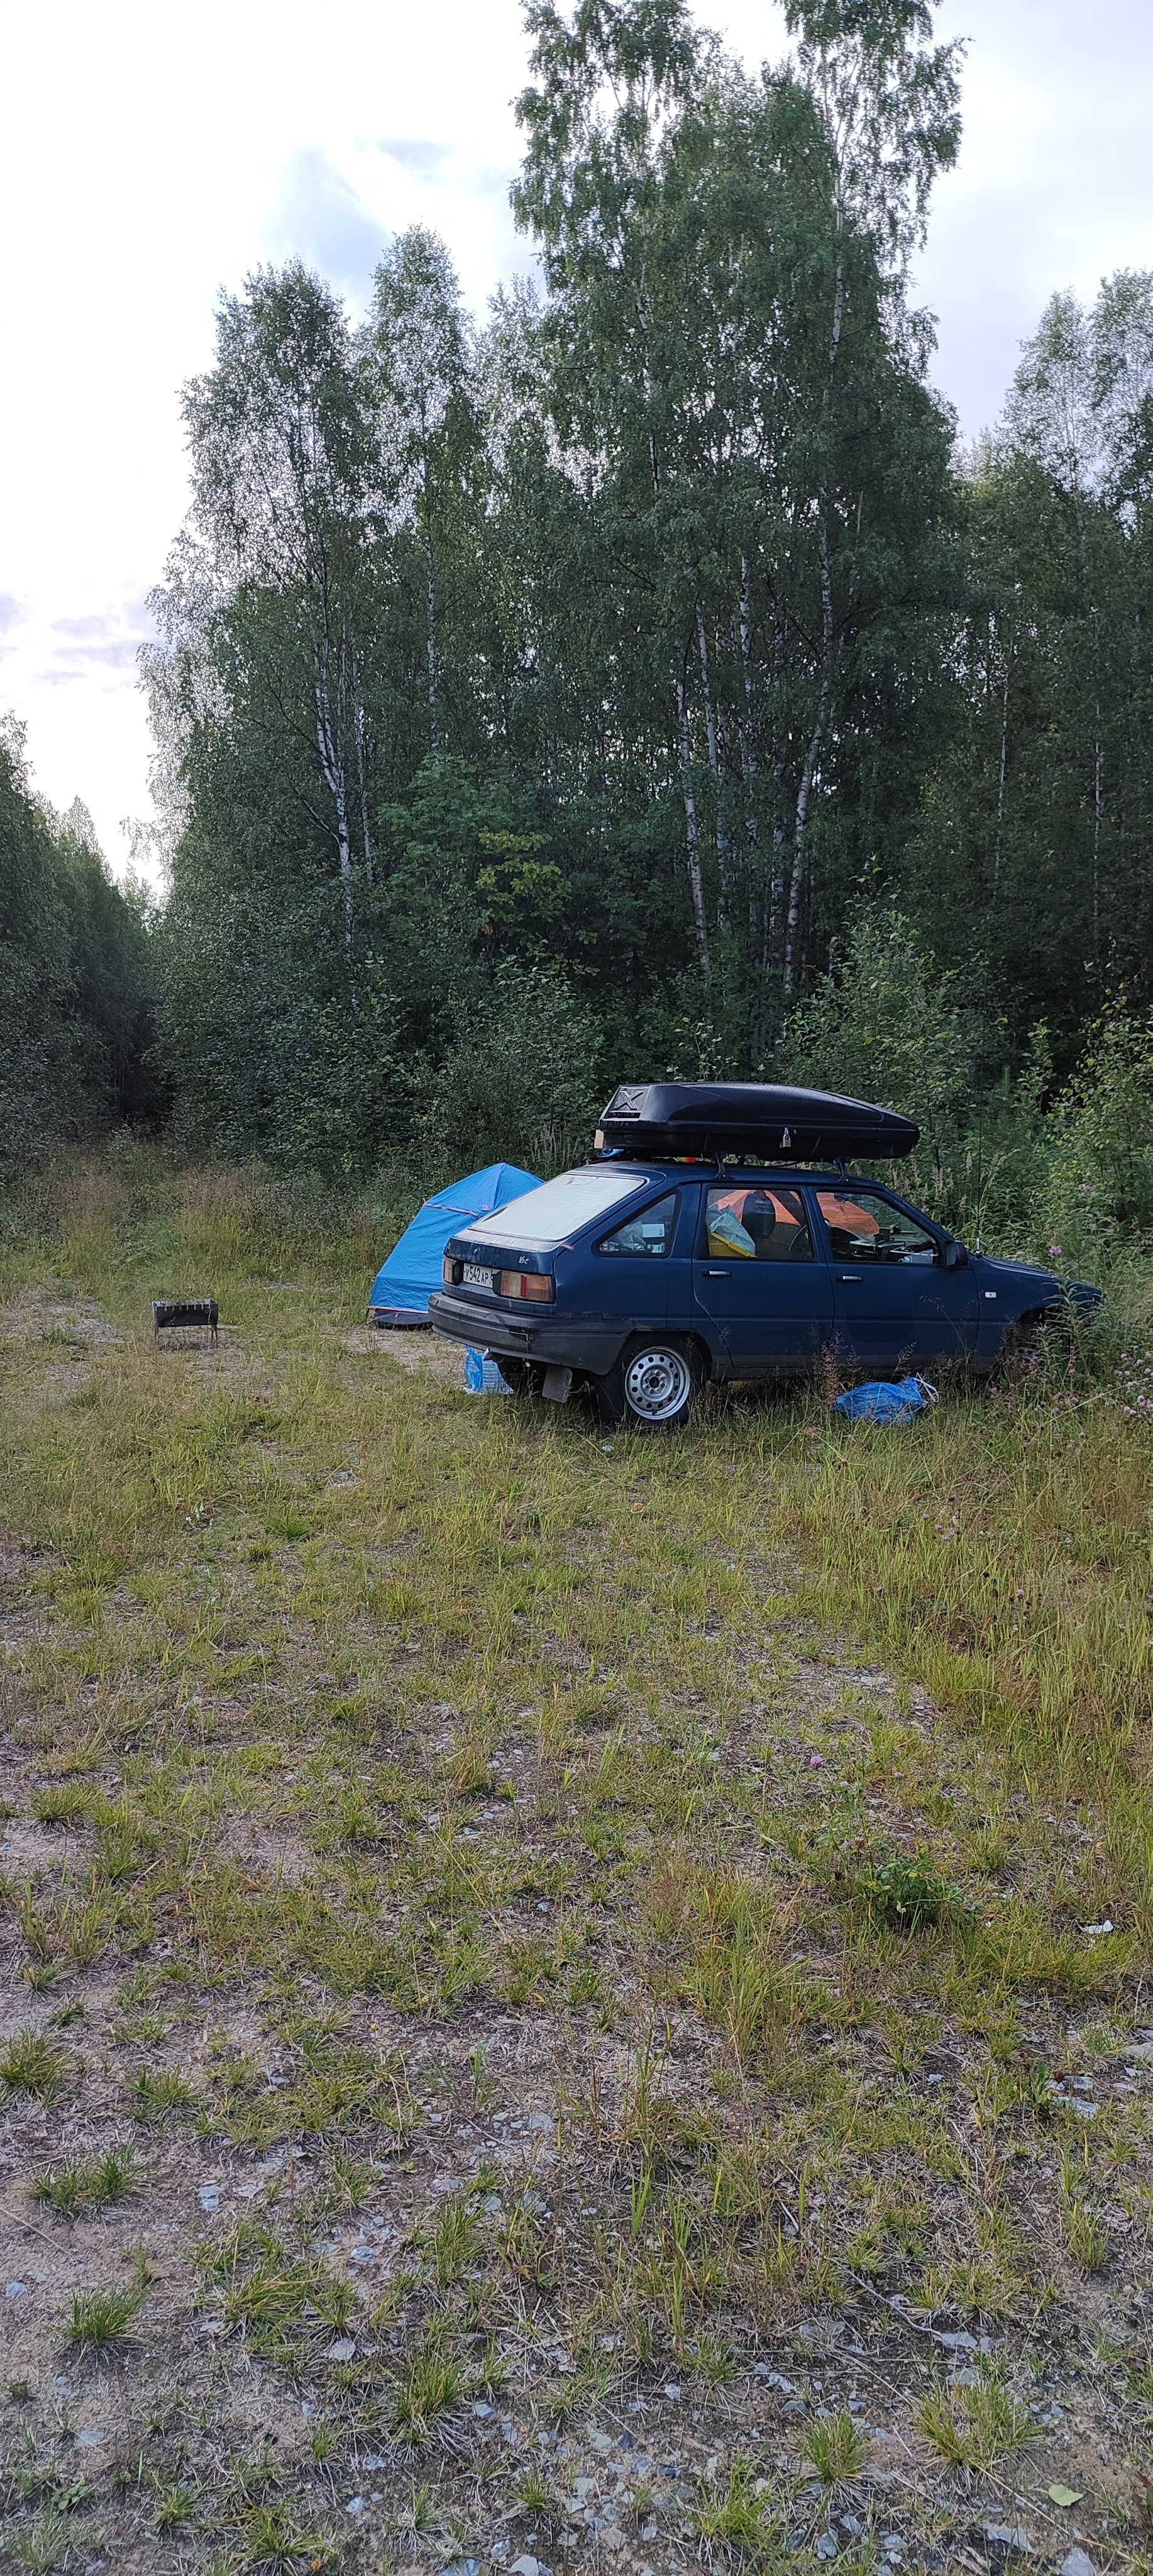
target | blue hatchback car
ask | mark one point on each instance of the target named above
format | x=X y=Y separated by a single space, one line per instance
x=688 y=1250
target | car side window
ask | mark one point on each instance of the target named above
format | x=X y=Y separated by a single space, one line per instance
x=649 y=1230
x=865 y=1227
x=753 y=1222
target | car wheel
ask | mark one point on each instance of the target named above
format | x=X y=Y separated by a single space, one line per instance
x=651 y=1388
x=526 y=1377
x=1033 y=1342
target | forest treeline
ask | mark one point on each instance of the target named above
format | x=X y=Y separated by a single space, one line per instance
x=77 y=1019
x=644 y=681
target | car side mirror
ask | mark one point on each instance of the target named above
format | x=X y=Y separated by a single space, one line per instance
x=953 y=1255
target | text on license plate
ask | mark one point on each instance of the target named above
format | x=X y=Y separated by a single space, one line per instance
x=477 y=1278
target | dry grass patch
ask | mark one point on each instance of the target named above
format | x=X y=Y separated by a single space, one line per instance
x=592 y=1937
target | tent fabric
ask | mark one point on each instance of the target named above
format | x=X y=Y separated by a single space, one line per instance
x=402 y=1286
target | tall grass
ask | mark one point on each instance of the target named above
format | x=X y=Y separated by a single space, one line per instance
x=139 y=1220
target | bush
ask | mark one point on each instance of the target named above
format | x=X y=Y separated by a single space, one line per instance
x=521 y=1084
x=1098 y=1197
x=883 y=1027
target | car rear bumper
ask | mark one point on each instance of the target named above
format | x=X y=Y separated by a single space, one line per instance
x=586 y=1342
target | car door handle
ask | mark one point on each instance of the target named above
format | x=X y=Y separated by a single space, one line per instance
x=850 y=1278
x=718 y=1274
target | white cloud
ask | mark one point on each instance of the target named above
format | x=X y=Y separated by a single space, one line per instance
x=320 y=219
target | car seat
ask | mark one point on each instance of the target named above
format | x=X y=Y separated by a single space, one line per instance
x=759 y=1218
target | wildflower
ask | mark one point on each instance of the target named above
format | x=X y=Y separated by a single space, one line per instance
x=1054 y=1252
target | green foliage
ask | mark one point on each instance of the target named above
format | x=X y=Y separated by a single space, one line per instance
x=882 y=1025
x=636 y=684
x=1099 y=1194
x=906 y=1891
x=1032 y=852
x=536 y=664
x=522 y=1080
x=75 y=977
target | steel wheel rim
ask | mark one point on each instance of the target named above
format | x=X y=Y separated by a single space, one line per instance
x=657 y=1384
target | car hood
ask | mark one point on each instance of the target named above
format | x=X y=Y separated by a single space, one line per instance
x=1075 y=1292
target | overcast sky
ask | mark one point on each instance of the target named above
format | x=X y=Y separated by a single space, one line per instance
x=150 y=156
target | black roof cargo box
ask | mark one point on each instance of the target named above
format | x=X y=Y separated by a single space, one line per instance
x=766 y=1120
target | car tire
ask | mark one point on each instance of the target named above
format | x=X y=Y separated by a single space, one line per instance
x=526 y=1377
x=1033 y=1340
x=653 y=1386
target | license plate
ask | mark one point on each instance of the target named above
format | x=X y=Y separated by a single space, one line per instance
x=476 y=1278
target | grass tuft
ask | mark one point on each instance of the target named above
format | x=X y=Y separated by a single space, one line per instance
x=431 y=2384
x=155 y=2098
x=102 y=2317
x=740 y=2513
x=33 y=2063
x=836 y=2447
x=87 y=2182
x=972 y=2427
x=275 y=2546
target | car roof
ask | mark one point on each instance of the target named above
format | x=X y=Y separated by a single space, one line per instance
x=732 y=1174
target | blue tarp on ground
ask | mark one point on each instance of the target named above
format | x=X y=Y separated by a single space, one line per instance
x=404 y=1282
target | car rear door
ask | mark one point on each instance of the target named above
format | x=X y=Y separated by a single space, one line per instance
x=625 y=1272
x=764 y=1285
x=894 y=1302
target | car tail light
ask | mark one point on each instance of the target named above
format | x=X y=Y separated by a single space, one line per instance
x=450 y=1271
x=536 y=1285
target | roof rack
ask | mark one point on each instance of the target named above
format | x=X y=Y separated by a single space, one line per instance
x=768 y=1118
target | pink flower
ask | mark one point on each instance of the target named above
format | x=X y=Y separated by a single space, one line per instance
x=816 y=1761
x=1054 y=1252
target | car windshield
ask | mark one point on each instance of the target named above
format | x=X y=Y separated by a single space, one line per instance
x=559 y=1207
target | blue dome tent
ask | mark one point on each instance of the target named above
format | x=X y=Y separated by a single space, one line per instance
x=400 y=1291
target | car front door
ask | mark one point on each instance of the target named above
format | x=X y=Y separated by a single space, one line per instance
x=760 y=1279
x=894 y=1302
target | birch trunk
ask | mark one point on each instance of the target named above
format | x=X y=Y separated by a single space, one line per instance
x=332 y=771
x=693 y=842
x=714 y=766
x=433 y=719
x=800 y=822
x=1001 y=772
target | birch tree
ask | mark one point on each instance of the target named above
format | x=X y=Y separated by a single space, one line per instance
x=281 y=479
x=420 y=362
x=887 y=99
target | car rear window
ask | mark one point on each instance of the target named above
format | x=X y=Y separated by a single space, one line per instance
x=559 y=1207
